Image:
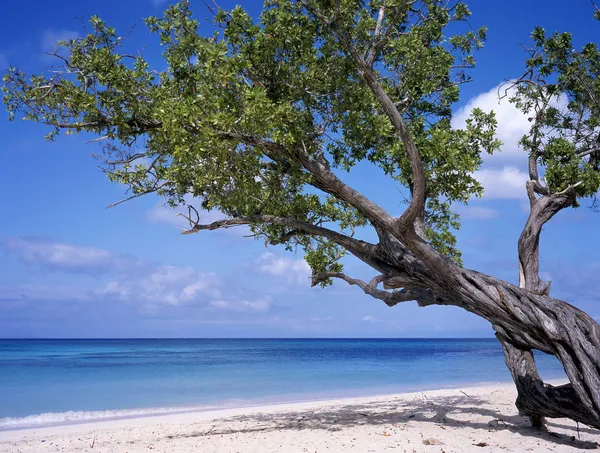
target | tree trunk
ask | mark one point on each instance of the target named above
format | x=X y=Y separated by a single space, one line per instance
x=536 y=399
x=527 y=380
x=525 y=321
x=522 y=367
x=521 y=362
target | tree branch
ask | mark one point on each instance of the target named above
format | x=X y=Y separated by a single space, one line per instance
x=542 y=210
x=413 y=216
x=381 y=37
x=587 y=152
x=137 y=195
x=322 y=176
x=140 y=126
x=390 y=298
x=355 y=246
x=377 y=38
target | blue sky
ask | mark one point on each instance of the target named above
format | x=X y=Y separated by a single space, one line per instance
x=69 y=267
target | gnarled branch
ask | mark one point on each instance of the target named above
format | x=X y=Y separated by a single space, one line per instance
x=390 y=298
x=355 y=246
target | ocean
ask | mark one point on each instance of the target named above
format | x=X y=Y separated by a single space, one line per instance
x=45 y=382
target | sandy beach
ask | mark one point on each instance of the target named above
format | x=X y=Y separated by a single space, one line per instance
x=477 y=419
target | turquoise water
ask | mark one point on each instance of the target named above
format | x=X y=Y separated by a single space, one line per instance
x=57 y=381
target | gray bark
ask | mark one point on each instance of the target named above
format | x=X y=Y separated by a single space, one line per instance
x=521 y=362
x=525 y=321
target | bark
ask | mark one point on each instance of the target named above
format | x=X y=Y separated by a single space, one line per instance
x=525 y=321
x=521 y=362
x=536 y=399
x=525 y=318
x=542 y=210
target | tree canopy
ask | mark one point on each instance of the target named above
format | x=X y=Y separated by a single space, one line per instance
x=561 y=94
x=238 y=115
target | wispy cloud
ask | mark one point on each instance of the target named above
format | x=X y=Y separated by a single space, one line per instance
x=60 y=256
x=371 y=319
x=163 y=214
x=152 y=288
x=290 y=270
x=507 y=182
x=166 y=215
x=243 y=305
x=129 y=279
x=168 y=285
x=321 y=319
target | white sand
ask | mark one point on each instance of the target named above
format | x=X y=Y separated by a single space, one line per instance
x=479 y=419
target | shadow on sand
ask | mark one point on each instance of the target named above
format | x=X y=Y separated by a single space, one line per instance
x=446 y=412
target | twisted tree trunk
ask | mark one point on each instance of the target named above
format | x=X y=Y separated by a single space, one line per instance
x=525 y=321
x=536 y=399
x=530 y=386
x=532 y=395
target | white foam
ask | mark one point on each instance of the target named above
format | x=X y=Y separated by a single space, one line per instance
x=74 y=417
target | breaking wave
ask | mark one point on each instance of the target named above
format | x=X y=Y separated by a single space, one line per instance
x=75 y=417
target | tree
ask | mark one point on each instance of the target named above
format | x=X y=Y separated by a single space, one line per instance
x=261 y=119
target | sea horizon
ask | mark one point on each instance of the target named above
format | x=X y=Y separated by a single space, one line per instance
x=63 y=381
x=247 y=338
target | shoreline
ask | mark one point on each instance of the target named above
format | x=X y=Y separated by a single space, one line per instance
x=92 y=417
x=475 y=418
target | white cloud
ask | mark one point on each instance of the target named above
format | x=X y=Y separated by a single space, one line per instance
x=512 y=124
x=67 y=257
x=169 y=285
x=50 y=39
x=319 y=319
x=502 y=174
x=142 y=289
x=166 y=215
x=508 y=182
x=371 y=319
x=124 y=278
x=296 y=271
x=243 y=305
x=476 y=212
